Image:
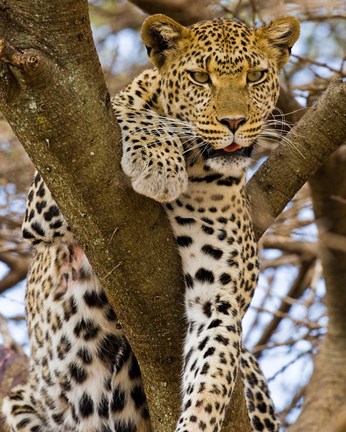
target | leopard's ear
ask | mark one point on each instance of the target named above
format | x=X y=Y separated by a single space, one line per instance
x=161 y=36
x=280 y=34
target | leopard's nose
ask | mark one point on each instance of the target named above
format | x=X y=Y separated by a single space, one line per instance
x=233 y=123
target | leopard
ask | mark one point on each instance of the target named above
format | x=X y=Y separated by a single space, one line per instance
x=188 y=127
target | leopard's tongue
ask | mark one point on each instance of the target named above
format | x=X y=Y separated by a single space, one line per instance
x=231 y=148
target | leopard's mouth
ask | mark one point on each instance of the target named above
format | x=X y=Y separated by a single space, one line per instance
x=233 y=150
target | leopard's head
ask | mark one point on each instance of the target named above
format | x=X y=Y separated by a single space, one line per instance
x=221 y=76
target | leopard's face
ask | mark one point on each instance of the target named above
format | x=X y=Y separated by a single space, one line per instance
x=227 y=91
x=221 y=76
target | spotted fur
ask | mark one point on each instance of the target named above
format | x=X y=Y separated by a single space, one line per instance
x=188 y=126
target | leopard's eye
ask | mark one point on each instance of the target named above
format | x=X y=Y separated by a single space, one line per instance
x=255 y=76
x=200 y=77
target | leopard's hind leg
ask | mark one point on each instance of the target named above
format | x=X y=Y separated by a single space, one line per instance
x=21 y=410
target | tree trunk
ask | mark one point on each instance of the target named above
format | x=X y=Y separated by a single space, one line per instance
x=326 y=393
x=57 y=103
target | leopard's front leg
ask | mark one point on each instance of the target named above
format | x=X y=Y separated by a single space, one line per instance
x=153 y=159
x=152 y=148
x=212 y=353
x=219 y=257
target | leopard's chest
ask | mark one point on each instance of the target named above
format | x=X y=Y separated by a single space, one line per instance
x=214 y=234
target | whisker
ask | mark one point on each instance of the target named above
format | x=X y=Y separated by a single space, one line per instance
x=273 y=132
x=292 y=112
x=273 y=136
x=198 y=145
x=152 y=115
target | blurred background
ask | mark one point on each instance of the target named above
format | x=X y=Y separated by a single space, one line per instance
x=288 y=317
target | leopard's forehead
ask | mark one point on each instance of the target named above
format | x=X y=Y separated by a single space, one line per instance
x=219 y=27
x=224 y=45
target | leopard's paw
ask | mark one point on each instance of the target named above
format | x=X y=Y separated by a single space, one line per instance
x=154 y=173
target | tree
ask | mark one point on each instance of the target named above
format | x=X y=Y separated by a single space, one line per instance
x=54 y=96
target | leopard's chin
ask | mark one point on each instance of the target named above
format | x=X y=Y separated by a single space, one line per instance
x=227 y=165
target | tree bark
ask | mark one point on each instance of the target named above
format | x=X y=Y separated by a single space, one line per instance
x=57 y=103
x=325 y=396
x=53 y=94
x=315 y=137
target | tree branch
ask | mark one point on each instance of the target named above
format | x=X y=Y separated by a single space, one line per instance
x=186 y=12
x=296 y=290
x=10 y=55
x=18 y=266
x=315 y=137
x=287 y=244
